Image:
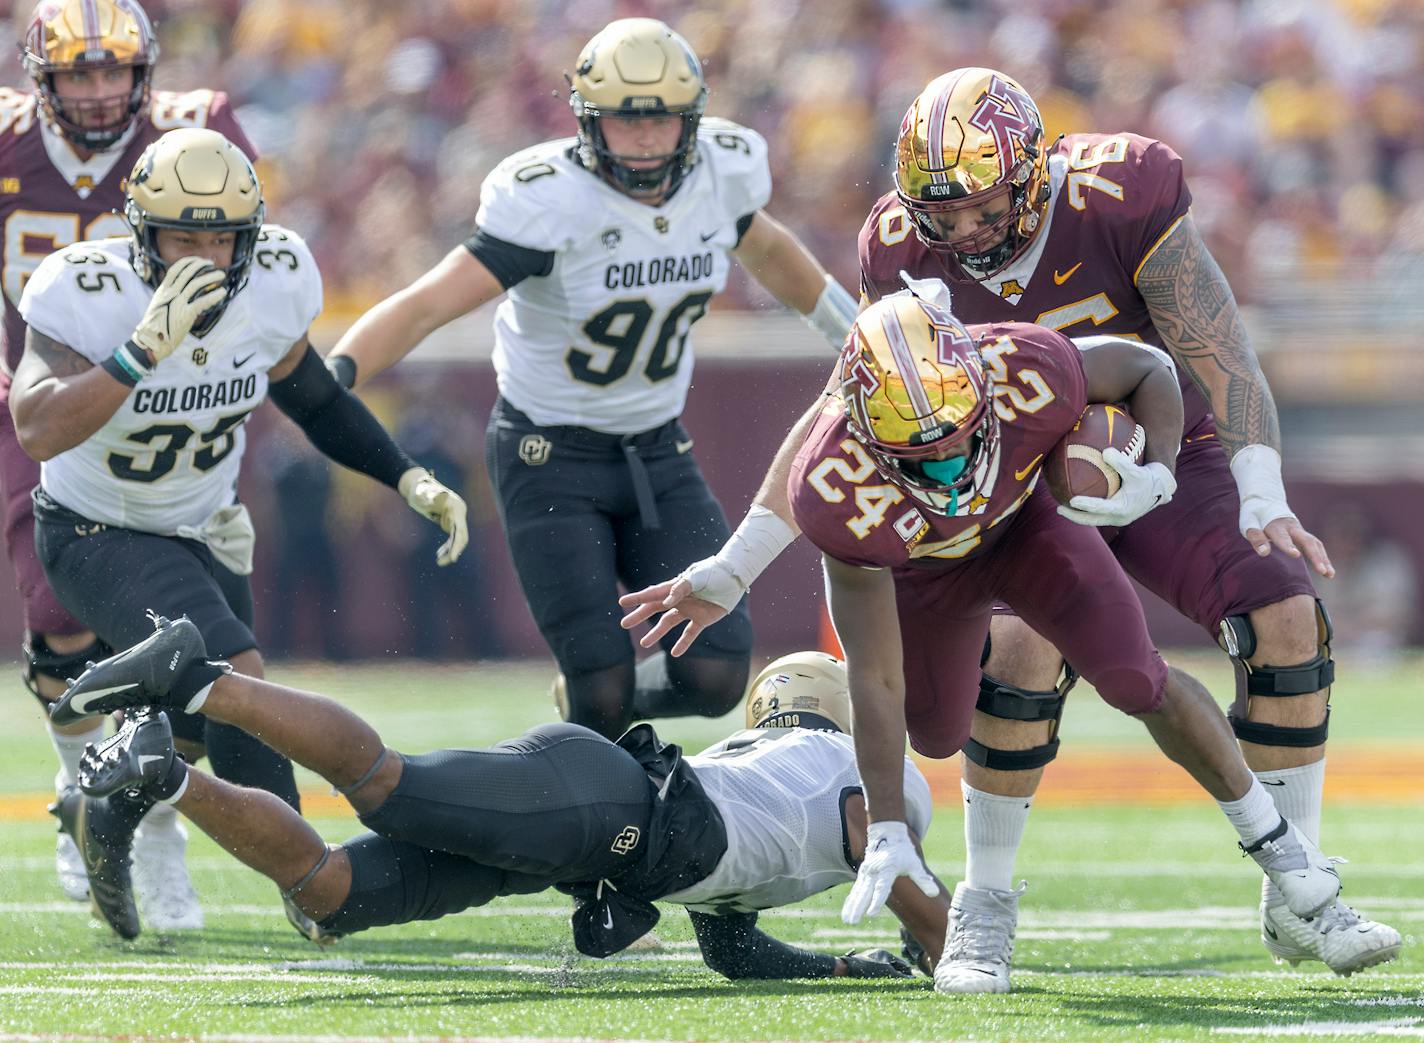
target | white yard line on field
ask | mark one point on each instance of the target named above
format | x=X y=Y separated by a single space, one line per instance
x=1407 y=1027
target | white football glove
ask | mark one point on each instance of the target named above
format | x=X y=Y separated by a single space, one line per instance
x=191 y=287
x=755 y=544
x=440 y=504
x=1144 y=486
x=889 y=855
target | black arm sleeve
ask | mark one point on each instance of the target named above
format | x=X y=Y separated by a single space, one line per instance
x=338 y=423
x=508 y=263
x=733 y=946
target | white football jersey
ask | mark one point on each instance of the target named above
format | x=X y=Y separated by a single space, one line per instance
x=170 y=455
x=781 y=793
x=602 y=340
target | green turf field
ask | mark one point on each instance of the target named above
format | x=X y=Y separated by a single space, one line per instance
x=1139 y=923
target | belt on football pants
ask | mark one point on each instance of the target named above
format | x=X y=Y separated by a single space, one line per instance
x=630 y=445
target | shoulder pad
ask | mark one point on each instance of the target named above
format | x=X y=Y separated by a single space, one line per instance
x=524 y=200
x=739 y=161
x=285 y=275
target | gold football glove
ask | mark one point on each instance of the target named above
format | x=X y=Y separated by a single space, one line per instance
x=191 y=287
x=441 y=505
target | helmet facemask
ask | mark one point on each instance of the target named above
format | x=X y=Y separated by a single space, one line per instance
x=662 y=179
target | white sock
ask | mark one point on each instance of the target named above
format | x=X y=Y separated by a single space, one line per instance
x=1296 y=793
x=70 y=748
x=1253 y=815
x=993 y=829
x=161 y=817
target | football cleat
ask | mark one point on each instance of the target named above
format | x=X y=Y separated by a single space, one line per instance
x=139 y=676
x=309 y=928
x=1306 y=879
x=979 y=940
x=103 y=829
x=163 y=891
x=140 y=753
x=1339 y=937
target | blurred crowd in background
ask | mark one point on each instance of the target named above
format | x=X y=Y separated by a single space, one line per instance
x=1301 y=123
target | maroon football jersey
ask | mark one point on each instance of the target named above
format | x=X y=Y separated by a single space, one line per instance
x=1116 y=196
x=847 y=508
x=42 y=210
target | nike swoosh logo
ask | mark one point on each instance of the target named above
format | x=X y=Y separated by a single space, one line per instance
x=1264 y=782
x=1267 y=928
x=607 y=919
x=90 y=698
x=145 y=759
x=1021 y=475
x=707 y=237
x=683 y=447
x=239 y=363
x=1059 y=280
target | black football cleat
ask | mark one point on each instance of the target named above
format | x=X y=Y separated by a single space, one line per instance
x=139 y=676
x=103 y=829
x=307 y=927
x=136 y=757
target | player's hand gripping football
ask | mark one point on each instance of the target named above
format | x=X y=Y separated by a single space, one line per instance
x=191 y=287
x=1144 y=486
x=889 y=855
x=699 y=596
x=440 y=504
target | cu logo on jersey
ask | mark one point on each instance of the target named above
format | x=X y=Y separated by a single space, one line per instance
x=534 y=450
x=1009 y=115
x=627 y=840
x=200 y=356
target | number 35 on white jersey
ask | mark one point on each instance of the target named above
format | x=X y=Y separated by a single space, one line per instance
x=170 y=455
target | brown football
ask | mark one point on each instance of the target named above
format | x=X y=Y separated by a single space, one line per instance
x=1075 y=465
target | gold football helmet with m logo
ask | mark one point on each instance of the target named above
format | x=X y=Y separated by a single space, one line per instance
x=972 y=170
x=194 y=180
x=79 y=36
x=918 y=398
x=637 y=68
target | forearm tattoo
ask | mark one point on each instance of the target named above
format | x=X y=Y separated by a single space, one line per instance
x=1193 y=308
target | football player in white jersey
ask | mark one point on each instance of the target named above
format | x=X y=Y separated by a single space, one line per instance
x=609 y=246
x=143 y=359
x=766 y=818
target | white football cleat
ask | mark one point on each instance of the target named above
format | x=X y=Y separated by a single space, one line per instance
x=165 y=896
x=1306 y=879
x=979 y=940
x=1339 y=937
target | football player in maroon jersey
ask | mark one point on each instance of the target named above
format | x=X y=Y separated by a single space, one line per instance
x=919 y=484
x=65 y=148
x=1092 y=234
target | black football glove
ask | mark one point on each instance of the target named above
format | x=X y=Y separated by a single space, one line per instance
x=875 y=963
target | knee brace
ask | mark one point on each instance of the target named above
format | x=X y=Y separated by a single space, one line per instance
x=41 y=660
x=1237 y=638
x=1011 y=703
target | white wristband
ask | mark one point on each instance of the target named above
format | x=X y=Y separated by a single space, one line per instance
x=755 y=545
x=834 y=312
x=1257 y=470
